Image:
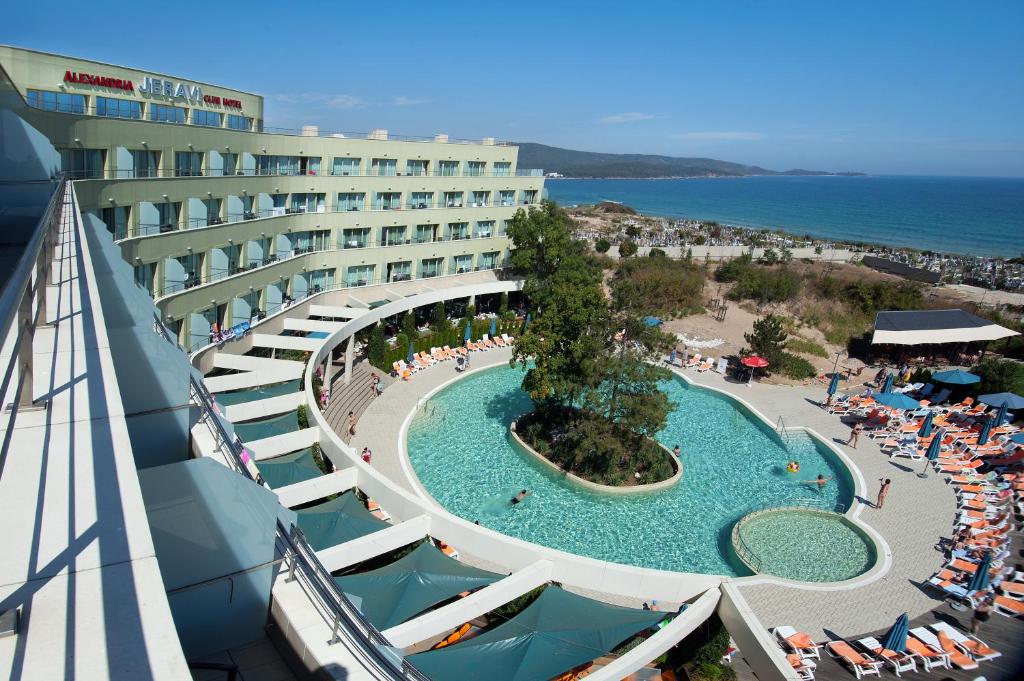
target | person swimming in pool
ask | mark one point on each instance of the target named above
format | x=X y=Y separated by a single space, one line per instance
x=820 y=481
x=519 y=497
x=793 y=466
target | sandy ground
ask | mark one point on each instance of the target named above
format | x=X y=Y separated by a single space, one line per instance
x=983 y=296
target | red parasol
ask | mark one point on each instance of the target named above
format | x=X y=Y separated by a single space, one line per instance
x=754 y=362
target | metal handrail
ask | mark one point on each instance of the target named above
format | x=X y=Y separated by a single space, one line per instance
x=23 y=298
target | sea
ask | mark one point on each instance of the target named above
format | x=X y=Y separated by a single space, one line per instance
x=965 y=215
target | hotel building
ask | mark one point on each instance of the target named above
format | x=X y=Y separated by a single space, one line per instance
x=223 y=217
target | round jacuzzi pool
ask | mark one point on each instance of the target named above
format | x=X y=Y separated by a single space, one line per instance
x=802 y=544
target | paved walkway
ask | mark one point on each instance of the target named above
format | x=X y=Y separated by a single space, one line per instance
x=917 y=512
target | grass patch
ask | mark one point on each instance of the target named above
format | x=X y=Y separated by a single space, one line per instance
x=806 y=347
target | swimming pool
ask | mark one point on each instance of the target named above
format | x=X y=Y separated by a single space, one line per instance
x=459 y=447
x=806 y=545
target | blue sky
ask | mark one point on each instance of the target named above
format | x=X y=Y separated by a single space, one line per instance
x=902 y=87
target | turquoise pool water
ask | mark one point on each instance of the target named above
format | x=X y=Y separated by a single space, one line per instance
x=459 y=447
x=812 y=547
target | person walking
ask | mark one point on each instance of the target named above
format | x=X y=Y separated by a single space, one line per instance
x=981 y=614
x=854 y=435
x=351 y=423
x=882 y=491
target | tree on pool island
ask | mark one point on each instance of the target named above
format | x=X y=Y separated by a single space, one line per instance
x=596 y=395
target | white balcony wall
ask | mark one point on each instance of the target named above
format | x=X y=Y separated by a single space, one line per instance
x=214 y=164
x=196 y=213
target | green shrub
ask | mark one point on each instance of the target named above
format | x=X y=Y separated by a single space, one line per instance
x=1000 y=375
x=732 y=270
x=378 y=347
x=627 y=248
x=602 y=245
x=807 y=347
x=795 y=366
x=656 y=253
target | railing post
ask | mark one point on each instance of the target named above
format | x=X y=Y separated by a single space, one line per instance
x=25 y=326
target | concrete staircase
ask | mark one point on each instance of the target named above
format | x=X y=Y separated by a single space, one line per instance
x=354 y=397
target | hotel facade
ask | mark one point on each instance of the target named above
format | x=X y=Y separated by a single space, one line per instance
x=224 y=218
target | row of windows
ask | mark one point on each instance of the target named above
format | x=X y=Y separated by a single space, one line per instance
x=113 y=107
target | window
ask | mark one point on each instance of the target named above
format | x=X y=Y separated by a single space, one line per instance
x=400 y=271
x=507 y=197
x=358 y=237
x=144 y=276
x=388 y=201
x=116 y=219
x=188 y=163
x=307 y=203
x=462 y=263
x=118 y=108
x=529 y=196
x=425 y=233
x=480 y=198
x=212 y=211
x=145 y=163
x=453 y=199
x=502 y=169
x=392 y=236
x=360 y=275
x=56 y=101
x=489 y=261
x=345 y=166
x=448 y=168
x=230 y=163
x=475 y=168
x=236 y=122
x=431 y=267
x=321 y=280
x=421 y=200
x=351 y=201
x=384 y=167
x=306 y=242
x=417 y=168
x=167 y=215
x=458 y=230
x=484 y=229
x=210 y=119
x=83 y=163
x=277 y=165
x=162 y=113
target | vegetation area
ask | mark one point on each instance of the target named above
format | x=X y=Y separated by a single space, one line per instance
x=1000 y=376
x=442 y=333
x=595 y=393
x=769 y=339
x=658 y=286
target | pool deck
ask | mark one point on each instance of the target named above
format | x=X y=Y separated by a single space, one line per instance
x=917 y=513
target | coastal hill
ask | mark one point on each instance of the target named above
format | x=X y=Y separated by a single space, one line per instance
x=574 y=163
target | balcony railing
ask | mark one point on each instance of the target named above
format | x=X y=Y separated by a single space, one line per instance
x=169 y=172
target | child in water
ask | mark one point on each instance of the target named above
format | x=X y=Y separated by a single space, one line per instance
x=519 y=497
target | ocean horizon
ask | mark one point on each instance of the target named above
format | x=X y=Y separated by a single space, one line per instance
x=966 y=215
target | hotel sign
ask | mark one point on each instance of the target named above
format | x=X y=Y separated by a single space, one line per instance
x=154 y=87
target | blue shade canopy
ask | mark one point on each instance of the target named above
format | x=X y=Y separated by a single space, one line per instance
x=956 y=377
x=1000 y=415
x=412 y=354
x=986 y=430
x=469 y=331
x=887 y=386
x=896 y=638
x=337 y=521
x=833 y=385
x=934 y=447
x=897 y=401
x=259 y=393
x=494 y=326
x=282 y=471
x=423 y=578
x=980 y=579
x=555 y=633
x=1017 y=439
x=652 y=321
x=263 y=428
x=1011 y=400
x=926 y=427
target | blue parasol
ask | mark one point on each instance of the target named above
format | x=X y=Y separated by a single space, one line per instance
x=1017 y=439
x=833 y=385
x=934 y=449
x=897 y=401
x=896 y=638
x=986 y=430
x=887 y=386
x=1011 y=400
x=980 y=579
x=956 y=377
x=1001 y=414
x=926 y=427
x=469 y=331
x=412 y=354
x=529 y=318
x=494 y=326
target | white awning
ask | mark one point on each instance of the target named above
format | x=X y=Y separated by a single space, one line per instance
x=924 y=327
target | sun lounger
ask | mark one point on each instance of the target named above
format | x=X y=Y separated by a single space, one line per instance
x=896 y=661
x=942 y=396
x=448 y=550
x=508 y=339
x=488 y=343
x=694 y=361
x=860 y=665
x=804 y=668
x=955 y=656
x=706 y=364
x=453 y=637
x=972 y=645
x=1008 y=606
x=499 y=341
x=930 y=657
x=797 y=642
x=374 y=508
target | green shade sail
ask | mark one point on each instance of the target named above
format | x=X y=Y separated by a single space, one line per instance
x=282 y=471
x=337 y=521
x=425 y=577
x=557 y=632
